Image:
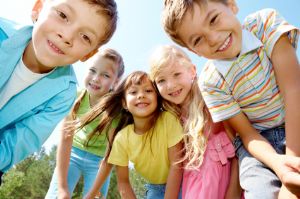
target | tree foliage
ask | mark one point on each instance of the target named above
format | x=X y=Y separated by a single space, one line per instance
x=30 y=179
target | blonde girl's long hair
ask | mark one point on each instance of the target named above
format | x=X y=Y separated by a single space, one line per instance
x=110 y=110
x=198 y=116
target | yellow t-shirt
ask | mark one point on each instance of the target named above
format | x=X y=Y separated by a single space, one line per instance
x=153 y=164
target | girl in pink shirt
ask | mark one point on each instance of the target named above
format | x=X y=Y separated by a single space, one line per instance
x=209 y=153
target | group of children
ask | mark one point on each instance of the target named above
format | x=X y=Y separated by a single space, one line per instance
x=232 y=133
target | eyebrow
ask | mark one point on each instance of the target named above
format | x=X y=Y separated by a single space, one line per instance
x=73 y=12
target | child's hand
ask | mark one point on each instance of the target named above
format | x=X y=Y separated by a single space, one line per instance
x=91 y=196
x=63 y=194
x=291 y=177
x=69 y=127
x=290 y=173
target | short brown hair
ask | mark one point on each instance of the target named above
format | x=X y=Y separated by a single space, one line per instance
x=173 y=13
x=108 y=9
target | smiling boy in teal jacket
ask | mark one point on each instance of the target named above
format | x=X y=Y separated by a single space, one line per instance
x=37 y=82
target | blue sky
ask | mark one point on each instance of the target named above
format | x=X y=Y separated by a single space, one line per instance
x=139 y=29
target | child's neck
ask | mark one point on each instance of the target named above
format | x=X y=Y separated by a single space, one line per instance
x=93 y=101
x=31 y=62
x=142 y=125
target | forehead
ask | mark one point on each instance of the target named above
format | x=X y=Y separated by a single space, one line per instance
x=176 y=65
x=104 y=63
x=86 y=15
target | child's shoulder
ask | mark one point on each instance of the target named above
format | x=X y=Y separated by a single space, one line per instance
x=8 y=26
x=259 y=17
x=166 y=115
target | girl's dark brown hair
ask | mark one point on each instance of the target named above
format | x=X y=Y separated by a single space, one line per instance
x=110 y=110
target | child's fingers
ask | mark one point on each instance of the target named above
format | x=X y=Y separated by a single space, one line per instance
x=293 y=162
x=69 y=127
x=291 y=180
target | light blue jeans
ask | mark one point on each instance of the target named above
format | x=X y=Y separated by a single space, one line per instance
x=81 y=163
x=257 y=179
x=157 y=191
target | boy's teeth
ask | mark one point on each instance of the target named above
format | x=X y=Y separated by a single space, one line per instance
x=225 y=44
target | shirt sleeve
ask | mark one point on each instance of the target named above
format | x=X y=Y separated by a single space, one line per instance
x=268 y=25
x=173 y=128
x=217 y=95
x=25 y=137
x=118 y=155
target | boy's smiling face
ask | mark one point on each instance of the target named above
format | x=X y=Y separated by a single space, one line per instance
x=212 y=30
x=65 y=32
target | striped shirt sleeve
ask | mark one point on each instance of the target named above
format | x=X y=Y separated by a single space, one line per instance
x=268 y=25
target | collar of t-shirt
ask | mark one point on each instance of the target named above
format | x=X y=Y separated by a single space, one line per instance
x=20 y=79
x=249 y=42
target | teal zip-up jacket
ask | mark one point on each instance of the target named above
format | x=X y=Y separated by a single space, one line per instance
x=28 y=118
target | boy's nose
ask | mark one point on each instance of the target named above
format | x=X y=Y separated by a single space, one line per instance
x=66 y=37
x=212 y=38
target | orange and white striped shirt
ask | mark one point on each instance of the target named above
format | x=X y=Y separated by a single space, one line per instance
x=248 y=83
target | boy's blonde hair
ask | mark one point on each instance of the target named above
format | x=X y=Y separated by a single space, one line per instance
x=195 y=139
x=173 y=13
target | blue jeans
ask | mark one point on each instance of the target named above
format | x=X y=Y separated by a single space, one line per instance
x=81 y=163
x=257 y=179
x=157 y=191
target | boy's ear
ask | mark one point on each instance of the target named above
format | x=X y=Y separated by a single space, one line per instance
x=233 y=6
x=37 y=7
x=86 y=57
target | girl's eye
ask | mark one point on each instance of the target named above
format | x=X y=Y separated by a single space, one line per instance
x=106 y=76
x=149 y=90
x=160 y=81
x=213 y=20
x=132 y=92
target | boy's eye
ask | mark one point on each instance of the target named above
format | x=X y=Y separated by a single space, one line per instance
x=196 y=41
x=86 y=38
x=177 y=74
x=61 y=15
x=92 y=70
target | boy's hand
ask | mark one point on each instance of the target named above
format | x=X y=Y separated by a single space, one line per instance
x=291 y=177
x=289 y=173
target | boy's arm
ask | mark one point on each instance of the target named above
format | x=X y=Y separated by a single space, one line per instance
x=124 y=186
x=63 y=157
x=287 y=72
x=27 y=136
x=257 y=145
x=175 y=172
x=103 y=173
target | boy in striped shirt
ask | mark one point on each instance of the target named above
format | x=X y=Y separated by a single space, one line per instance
x=252 y=82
